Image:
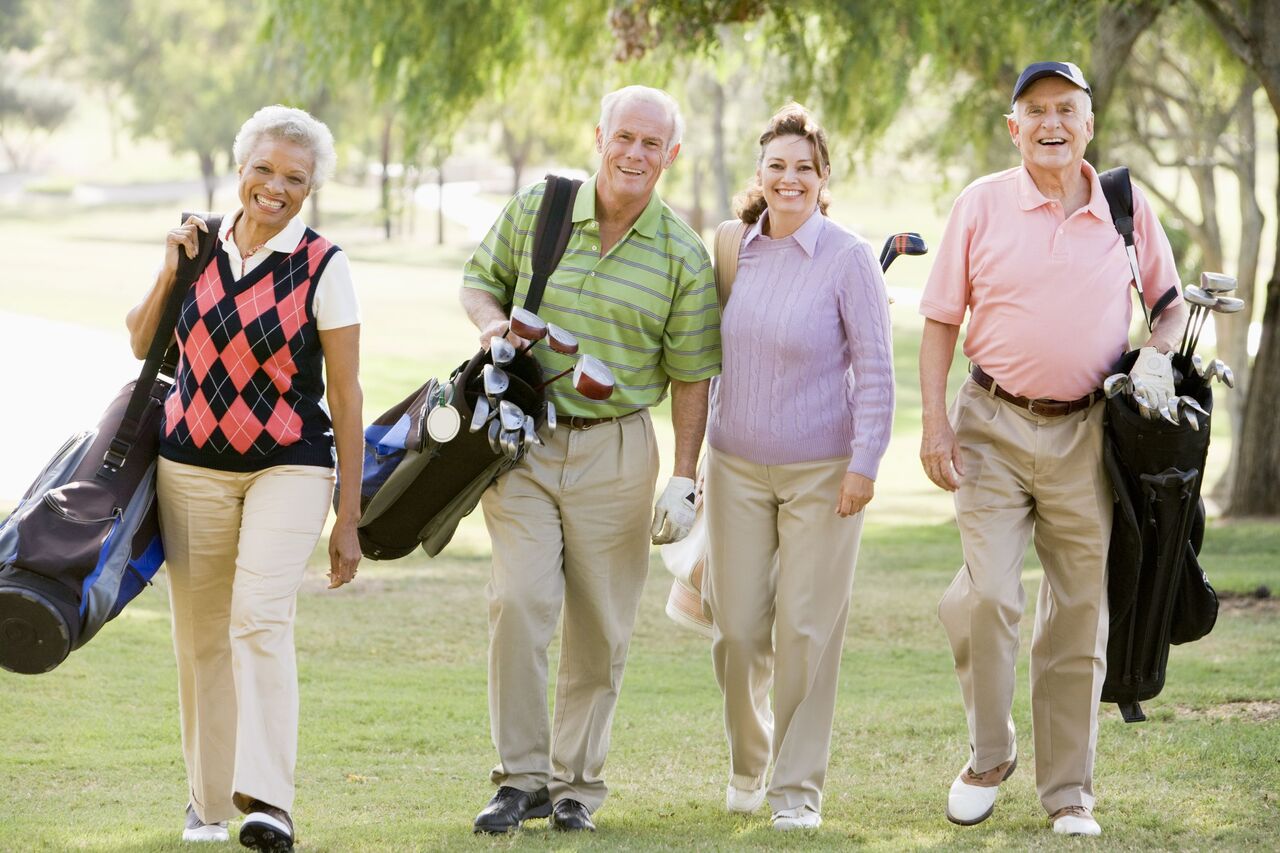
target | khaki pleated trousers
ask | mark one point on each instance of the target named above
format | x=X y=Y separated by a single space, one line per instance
x=570 y=528
x=1029 y=476
x=236 y=546
x=780 y=575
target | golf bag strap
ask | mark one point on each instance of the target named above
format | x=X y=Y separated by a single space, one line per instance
x=1117 y=187
x=551 y=234
x=189 y=269
x=728 y=242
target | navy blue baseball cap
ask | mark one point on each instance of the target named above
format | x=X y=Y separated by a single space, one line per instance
x=1068 y=71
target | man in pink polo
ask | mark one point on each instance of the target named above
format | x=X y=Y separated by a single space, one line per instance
x=1033 y=255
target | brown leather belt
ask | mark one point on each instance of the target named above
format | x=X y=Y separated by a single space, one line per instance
x=577 y=422
x=1038 y=406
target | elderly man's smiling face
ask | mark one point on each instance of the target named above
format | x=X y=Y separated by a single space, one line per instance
x=1052 y=124
x=633 y=151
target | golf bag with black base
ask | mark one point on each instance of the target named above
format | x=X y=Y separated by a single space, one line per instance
x=415 y=489
x=85 y=539
x=1157 y=591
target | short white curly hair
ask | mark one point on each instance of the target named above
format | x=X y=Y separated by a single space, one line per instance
x=295 y=125
x=611 y=102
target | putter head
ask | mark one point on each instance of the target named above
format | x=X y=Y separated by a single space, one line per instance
x=501 y=350
x=527 y=325
x=592 y=378
x=1217 y=282
x=561 y=341
x=1197 y=296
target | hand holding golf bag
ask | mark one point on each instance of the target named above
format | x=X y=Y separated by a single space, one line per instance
x=85 y=539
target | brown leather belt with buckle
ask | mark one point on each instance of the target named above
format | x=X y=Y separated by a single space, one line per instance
x=577 y=422
x=1040 y=405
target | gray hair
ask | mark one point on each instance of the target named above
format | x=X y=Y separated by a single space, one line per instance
x=293 y=125
x=610 y=103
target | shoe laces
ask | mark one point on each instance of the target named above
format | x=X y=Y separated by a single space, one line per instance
x=1071 y=811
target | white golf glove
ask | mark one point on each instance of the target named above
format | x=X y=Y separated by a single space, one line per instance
x=1152 y=377
x=673 y=514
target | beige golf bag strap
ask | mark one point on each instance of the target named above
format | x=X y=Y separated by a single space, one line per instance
x=728 y=242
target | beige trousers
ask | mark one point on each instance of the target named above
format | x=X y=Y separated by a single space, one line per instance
x=236 y=546
x=1028 y=476
x=779 y=578
x=570 y=528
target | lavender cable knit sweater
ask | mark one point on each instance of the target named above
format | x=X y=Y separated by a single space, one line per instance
x=808 y=360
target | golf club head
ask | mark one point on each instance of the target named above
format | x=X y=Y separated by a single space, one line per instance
x=561 y=341
x=1224 y=373
x=1217 y=282
x=501 y=350
x=496 y=381
x=902 y=243
x=592 y=378
x=1197 y=364
x=551 y=416
x=1196 y=296
x=1228 y=305
x=1115 y=384
x=510 y=415
x=1192 y=420
x=480 y=415
x=530 y=432
x=1170 y=413
x=1189 y=402
x=527 y=325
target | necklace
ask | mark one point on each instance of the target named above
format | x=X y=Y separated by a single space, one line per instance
x=245 y=256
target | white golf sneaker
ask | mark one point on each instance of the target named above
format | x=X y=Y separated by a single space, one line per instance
x=801 y=817
x=744 y=802
x=972 y=797
x=1074 y=820
x=198 y=830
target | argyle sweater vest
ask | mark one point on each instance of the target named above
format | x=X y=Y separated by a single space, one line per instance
x=249 y=388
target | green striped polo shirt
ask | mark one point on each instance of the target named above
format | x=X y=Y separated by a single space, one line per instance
x=647 y=309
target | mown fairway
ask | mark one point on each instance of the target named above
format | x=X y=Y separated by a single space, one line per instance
x=395 y=747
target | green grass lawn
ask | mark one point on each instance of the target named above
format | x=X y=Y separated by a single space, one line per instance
x=395 y=749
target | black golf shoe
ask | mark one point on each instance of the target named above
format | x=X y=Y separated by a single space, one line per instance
x=570 y=816
x=511 y=807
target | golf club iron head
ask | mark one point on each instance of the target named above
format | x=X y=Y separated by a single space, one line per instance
x=494 y=429
x=1115 y=384
x=480 y=415
x=1189 y=402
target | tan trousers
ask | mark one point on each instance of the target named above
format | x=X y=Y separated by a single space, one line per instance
x=1031 y=476
x=569 y=527
x=236 y=546
x=780 y=575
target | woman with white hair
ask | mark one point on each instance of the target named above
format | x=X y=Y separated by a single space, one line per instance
x=246 y=470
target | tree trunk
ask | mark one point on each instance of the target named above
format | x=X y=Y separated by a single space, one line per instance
x=386 y=178
x=314 y=216
x=210 y=175
x=1120 y=22
x=697 y=216
x=440 y=157
x=1255 y=490
x=724 y=192
x=1231 y=331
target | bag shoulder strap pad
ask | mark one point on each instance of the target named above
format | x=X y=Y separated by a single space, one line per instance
x=551 y=233
x=1118 y=189
x=727 y=244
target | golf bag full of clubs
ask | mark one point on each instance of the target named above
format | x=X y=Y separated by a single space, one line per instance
x=1157 y=591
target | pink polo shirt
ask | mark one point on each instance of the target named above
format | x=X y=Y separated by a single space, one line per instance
x=1048 y=297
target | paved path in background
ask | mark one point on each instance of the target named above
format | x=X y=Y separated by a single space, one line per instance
x=55 y=380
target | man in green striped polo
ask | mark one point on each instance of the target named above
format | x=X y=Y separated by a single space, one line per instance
x=570 y=524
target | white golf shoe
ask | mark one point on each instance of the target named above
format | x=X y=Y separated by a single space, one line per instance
x=1074 y=820
x=969 y=803
x=801 y=817
x=743 y=802
x=198 y=830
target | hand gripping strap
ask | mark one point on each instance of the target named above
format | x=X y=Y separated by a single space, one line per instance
x=728 y=242
x=188 y=271
x=551 y=234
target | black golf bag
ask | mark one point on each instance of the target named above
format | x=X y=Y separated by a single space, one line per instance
x=85 y=539
x=1157 y=591
x=415 y=489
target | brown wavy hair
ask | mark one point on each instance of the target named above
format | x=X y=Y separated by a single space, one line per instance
x=791 y=120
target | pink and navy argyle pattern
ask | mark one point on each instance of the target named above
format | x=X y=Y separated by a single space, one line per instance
x=249 y=384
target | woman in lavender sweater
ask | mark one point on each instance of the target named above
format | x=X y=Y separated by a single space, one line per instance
x=799 y=422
